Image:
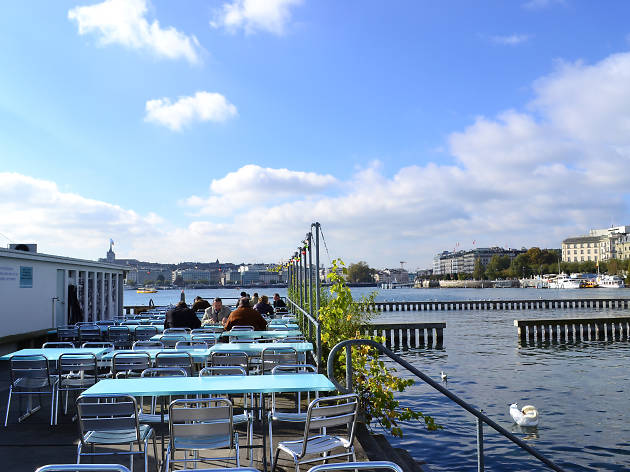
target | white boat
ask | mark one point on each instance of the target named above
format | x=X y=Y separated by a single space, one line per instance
x=610 y=281
x=526 y=416
x=564 y=281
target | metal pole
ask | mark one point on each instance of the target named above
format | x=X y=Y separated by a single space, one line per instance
x=300 y=278
x=310 y=276
x=348 y=367
x=317 y=281
x=480 y=444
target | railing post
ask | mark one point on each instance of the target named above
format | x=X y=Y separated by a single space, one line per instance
x=317 y=281
x=310 y=274
x=300 y=282
x=348 y=367
x=480 y=465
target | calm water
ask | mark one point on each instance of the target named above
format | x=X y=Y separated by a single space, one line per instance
x=581 y=390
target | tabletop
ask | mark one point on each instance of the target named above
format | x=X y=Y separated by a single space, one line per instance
x=220 y=384
x=198 y=355
x=53 y=353
x=255 y=349
x=234 y=334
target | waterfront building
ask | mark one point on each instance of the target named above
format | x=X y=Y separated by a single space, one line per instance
x=196 y=275
x=387 y=276
x=457 y=262
x=598 y=245
x=44 y=291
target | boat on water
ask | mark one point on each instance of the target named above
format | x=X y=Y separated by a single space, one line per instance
x=564 y=281
x=610 y=281
x=146 y=290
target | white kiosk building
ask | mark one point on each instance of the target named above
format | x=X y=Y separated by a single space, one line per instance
x=39 y=292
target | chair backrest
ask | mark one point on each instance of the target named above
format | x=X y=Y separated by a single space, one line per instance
x=83 y=362
x=98 y=344
x=108 y=413
x=180 y=359
x=210 y=340
x=33 y=367
x=83 y=468
x=387 y=465
x=273 y=356
x=144 y=332
x=208 y=329
x=119 y=334
x=242 y=328
x=105 y=323
x=294 y=369
x=328 y=412
x=147 y=344
x=230 y=358
x=238 y=339
x=164 y=372
x=203 y=418
x=222 y=370
x=170 y=341
x=67 y=332
x=177 y=330
x=56 y=344
x=128 y=362
x=292 y=339
x=89 y=333
x=193 y=344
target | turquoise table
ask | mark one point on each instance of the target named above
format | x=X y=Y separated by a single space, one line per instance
x=234 y=334
x=185 y=336
x=52 y=354
x=198 y=355
x=255 y=349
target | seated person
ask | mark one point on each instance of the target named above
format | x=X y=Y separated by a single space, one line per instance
x=263 y=307
x=278 y=303
x=181 y=317
x=200 y=304
x=244 y=315
x=254 y=300
x=216 y=313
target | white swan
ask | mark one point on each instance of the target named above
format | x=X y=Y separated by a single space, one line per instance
x=527 y=416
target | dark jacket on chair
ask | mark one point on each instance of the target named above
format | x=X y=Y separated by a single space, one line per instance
x=181 y=317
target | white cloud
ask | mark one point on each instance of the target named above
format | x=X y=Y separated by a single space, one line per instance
x=124 y=22
x=522 y=178
x=511 y=40
x=203 y=106
x=255 y=15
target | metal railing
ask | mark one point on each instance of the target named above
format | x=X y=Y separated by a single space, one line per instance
x=481 y=418
x=310 y=328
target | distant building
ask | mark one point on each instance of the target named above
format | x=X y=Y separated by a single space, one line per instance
x=196 y=275
x=394 y=276
x=598 y=245
x=457 y=262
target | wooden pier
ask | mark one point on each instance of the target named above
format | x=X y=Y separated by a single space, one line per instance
x=533 y=304
x=406 y=335
x=571 y=330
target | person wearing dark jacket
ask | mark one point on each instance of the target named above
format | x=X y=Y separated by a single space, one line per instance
x=263 y=307
x=200 y=304
x=278 y=303
x=244 y=315
x=181 y=317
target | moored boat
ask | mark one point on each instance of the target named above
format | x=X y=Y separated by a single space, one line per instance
x=610 y=281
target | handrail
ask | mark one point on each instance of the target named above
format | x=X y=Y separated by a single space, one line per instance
x=478 y=414
x=318 y=330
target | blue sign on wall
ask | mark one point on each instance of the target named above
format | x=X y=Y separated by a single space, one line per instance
x=26 y=277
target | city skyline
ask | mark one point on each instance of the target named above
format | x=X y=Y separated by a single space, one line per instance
x=228 y=127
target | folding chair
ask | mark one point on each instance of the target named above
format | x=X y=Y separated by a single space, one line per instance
x=130 y=364
x=200 y=424
x=89 y=332
x=178 y=359
x=243 y=418
x=271 y=357
x=209 y=339
x=120 y=336
x=323 y=413
x=67 y=333
x=147 y=344
x=113 y=420
x=144 y=332
x=231 y=359
x=77 y=372
x=83 y=468
x=29 y=375
x=170 y=340
x=297 y=416
x=356 y=466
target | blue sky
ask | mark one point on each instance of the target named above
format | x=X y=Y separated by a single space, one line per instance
x=221 y=129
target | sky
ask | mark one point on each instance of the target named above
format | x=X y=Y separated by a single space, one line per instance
x=221 y=129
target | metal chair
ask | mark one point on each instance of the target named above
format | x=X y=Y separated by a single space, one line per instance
x=193 y=344
x=130 y=364
x=77 y=372
x=171 y=340
x=153 y=416
x=120 y=336
x=209 y=339
x=242 y=328
x=231 y=359
x=58 y=344
x=271 y=357
x=147 y=344
x=83 y=468
x=111 y=420
x=177 y=330
x=200 y=424
x=178 y=359
x=297 y=416
x=98 y=344
x=68 y=333
x=208 y=329
x=323 y=413
x=105 y=323
x=89 y=332
x=242 y=418
x=144 y=332
x=357 y=466
x=29 y=375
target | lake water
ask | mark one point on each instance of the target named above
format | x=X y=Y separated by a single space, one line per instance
x=581 y=390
